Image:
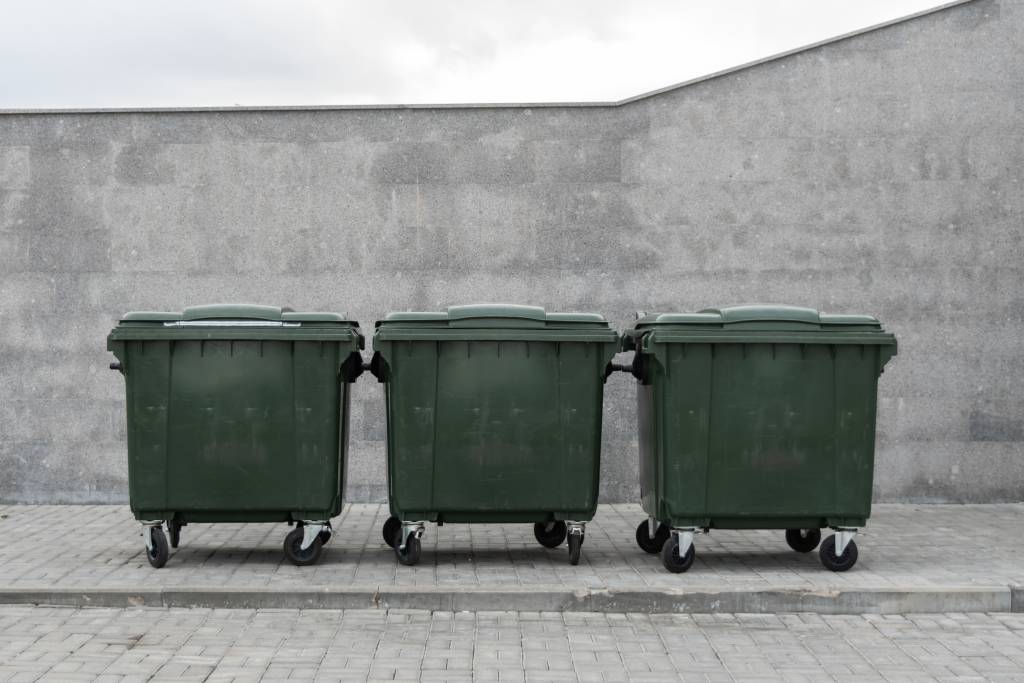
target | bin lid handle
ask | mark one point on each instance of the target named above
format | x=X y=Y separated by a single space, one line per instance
x=230 y=323
x=233 y=312
x=496 y=311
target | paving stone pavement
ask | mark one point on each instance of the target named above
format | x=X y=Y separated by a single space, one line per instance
x=904 y=546
x=191 y=644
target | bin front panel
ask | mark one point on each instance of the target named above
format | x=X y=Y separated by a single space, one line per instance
x=745 y=433
x=771 y=434
x=249 y=426
x=493 y=427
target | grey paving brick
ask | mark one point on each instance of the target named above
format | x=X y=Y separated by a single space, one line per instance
x=504 y=646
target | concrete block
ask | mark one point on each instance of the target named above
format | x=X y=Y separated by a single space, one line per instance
x=57 y=165
x=336 y=166
x=40 y=472
x=154 y=229
x=60 y=375
x=457 y=162
x=367 y=470
x=1003 y=422
x=15 y=210
x=962 y=472
x=559 y=161
x=725 y=114
x=15 y=169
x=666 y=155
x=140 y=165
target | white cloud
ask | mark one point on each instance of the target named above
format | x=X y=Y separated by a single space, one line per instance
x=107 y=53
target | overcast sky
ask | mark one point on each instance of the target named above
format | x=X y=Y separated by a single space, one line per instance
x=102 y=53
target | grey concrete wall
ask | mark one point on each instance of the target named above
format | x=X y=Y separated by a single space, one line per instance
x=880 y=174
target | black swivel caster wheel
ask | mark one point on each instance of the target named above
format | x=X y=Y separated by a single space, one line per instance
x=670 y=556
x=325 y=536
x=410 y=554
x=174 y=530
x=803 y=540
x=575 y=546
x=294 y=552
x=390 y=532
x=550 y=534
x=649 y=544
x=158 y=554
x=835 y=563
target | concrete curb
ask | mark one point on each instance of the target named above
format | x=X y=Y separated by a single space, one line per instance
x=545 y=599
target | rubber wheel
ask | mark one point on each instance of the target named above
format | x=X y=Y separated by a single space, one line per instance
x=411 y=555
x=670 y=556
x=575 y=546
x=160 y=552
x=803 y=542
x=294 y=552
x=174 y=529
x=390 y=532
x=325 y=536
x=550 y=534
x=827 y=553
x=648 y=544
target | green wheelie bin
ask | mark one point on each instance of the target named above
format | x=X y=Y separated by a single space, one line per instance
x=756 y=417
x=237 y=413
x=493 y=415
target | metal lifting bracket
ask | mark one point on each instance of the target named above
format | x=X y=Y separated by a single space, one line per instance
x=311 y=529
x=147 y=531
x=685 y=536
x=843 y=538
x=410 y=528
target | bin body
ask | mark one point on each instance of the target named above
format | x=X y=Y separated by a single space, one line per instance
x=236 y=413
x=757 y=417
x=493 y=412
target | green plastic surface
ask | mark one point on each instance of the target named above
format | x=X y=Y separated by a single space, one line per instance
x=521 y=322
x=236 y=423
x=493 y=412
x=757 y=417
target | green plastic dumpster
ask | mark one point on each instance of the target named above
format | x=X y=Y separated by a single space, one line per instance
x=493 y=415
x=756 y=417
x=237 y=413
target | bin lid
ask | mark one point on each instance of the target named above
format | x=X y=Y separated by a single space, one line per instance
x=235 y=322
x=758 y=317
x=219 y=313
x=495 y=315
x=472 y=321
